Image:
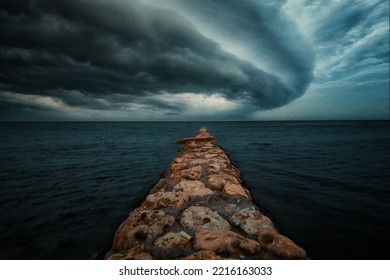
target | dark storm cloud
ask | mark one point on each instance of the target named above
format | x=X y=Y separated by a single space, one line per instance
x=92 y=53
x=262 y=29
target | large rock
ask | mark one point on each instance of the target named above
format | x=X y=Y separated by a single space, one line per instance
x=177 y=197
x=141 y=227
x=216 y=167
x=279 y=245
x=177 y=166
x=251 y=221
x=171 y=240
x=136 y=253
x=210 y=155
x=193 y=173
x=198 y=161
x=235 y=189
x=224 y=242
x=219 y=181
x=196 y=217
x=203 y=255
x=192 y=188
x=164 y=199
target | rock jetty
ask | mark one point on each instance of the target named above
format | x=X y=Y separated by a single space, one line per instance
x=199 y=210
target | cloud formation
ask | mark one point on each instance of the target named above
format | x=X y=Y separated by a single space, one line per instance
x=130 y=55
x=350 y=38
x=187 y=60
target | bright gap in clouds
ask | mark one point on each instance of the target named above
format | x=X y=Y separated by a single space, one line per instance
x=194 y=105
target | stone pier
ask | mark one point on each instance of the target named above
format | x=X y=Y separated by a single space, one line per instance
x=199 y=210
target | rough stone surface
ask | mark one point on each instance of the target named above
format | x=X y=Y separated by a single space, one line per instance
x=235 y=189
x=280 y=246
x=251 y=221
x=196 y=217
x=164 y=199
x=219 y=181
x=178 y=166
x=141 y=227
x=194 y=173
x=192 y=188
x=176 y=198
x=136 y=253
x=199 y=210
x=171 y=240
x=225 y=242
x=203 y=255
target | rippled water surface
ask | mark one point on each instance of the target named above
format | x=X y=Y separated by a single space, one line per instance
x=66 y=187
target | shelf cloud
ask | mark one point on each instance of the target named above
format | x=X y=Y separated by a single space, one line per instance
x=137 y=59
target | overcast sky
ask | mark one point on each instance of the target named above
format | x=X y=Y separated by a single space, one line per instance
x=131 y=60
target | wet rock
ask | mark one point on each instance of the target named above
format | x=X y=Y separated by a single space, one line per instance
x=224 y=242
x=203 y=255
x=172 y=240
x=251 y=221
x=196 y=217
x=279 y=245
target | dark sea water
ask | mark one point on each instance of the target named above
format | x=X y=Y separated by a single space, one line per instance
x=66 y=187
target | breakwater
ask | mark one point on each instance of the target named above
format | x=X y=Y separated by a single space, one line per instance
x=200 y=210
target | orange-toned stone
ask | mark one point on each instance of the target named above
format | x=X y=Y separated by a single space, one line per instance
x=266 y=235
x=235 y=189
x=140 y=227
x=203 y=255
x=196 y=217
x=279 y=245
x=194 y=173
x=174 y=167
x=219 y=181
x=230 y=208
x=192 y=188
x=251 y=221
x=224 y=242
x=210 y=155
x=164 y=199
x=171 y=240
x=179 y=159
x=198 y=161
x=136 y=253
x=216 y=167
